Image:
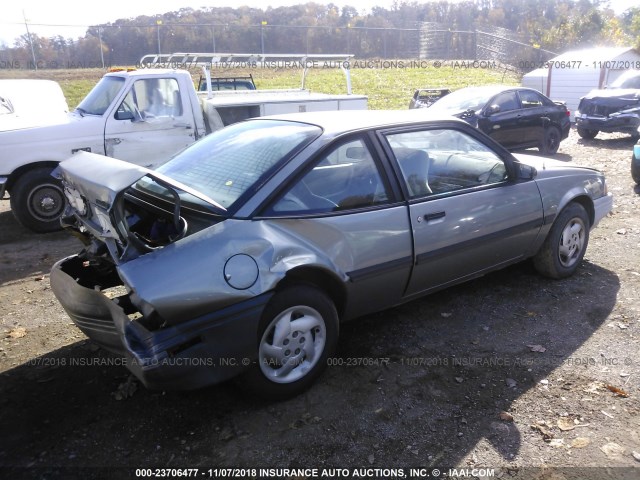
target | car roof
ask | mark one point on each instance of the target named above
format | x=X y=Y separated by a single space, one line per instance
x=493 y=89
x=342 y=121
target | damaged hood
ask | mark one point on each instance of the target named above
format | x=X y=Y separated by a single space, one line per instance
x=93 y=184
x=97 y=178
x=616 y=97
x=102 y=178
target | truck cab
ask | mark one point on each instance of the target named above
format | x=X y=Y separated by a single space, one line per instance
x=141 y=116
x=144 y=117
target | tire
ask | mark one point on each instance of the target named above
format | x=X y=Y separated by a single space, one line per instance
x=308 y=324
x=550 y=142
x=37 y=200
x=566 y=243
x=587 y=134
x=635 y=169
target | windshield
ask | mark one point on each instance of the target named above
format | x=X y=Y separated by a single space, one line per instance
x=227 y=163
x=465 y=99
x=99 y=99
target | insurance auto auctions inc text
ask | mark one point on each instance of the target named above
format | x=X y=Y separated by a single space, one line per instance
x=369 y=473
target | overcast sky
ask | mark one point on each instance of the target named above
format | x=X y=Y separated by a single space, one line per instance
x=84 y=13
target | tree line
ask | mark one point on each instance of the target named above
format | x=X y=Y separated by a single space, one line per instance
x=555 y=25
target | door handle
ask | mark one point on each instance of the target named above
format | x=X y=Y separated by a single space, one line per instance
x=433 y=216
x=182 y=125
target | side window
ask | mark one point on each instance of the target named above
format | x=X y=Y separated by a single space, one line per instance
x=344 y=178
x=150 y=98
x=440 y=161
x=506 y=101
x=530 y=99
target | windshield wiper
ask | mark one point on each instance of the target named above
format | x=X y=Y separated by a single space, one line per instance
x=81 y=111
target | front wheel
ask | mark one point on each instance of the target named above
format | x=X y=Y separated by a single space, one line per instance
x=37 y=200
x=298 y=332
x=550 y=142
x=566 y=243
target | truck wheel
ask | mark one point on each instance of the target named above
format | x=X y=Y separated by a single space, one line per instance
x=550 y=142
x=566 y=243
x=586 y=133
x=37 y=201
x=297 y=334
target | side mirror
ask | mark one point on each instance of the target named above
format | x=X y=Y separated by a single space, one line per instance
x=526 y=172
x=125 y=115
x=128 y=114
x=493 y=109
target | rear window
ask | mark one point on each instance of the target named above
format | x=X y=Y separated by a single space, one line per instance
x=231 y=161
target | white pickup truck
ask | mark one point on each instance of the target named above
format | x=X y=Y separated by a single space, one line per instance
x=142 y=116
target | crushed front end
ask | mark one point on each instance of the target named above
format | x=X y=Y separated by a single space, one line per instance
x=204 y=350
x=146 y=286
x=616 y=110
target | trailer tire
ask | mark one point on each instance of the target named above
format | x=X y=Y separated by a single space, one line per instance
x=37 y=200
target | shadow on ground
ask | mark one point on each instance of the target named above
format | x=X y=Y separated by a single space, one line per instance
x=417 y=385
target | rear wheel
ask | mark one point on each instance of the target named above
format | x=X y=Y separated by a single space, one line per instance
x=566 y=243
x=298 y=332
x=551 y=141
x=586 y=133
x=37 y=200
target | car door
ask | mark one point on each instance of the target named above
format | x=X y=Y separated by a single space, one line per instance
x=467 y=215
x=536 y=115
x=343 y=208
x=501 y=119
x=150 y=125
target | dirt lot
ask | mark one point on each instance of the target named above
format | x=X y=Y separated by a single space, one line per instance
x=510 y=371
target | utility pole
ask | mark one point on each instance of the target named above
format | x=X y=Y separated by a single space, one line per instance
x=33 y=53
x=262 y=25
x=158 y=23
x=101 y=50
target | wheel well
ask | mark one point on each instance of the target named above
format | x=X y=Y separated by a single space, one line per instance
x=321 y=279
x=18 y=172
x=587 y=203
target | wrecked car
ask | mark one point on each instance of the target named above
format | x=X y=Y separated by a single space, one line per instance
x=424 y=97
x=241 y=256
x=615 y=109
x=516 y=117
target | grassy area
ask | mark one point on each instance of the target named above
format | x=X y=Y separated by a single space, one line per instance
x=387 y=88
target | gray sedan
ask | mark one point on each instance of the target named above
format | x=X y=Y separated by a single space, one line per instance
x=241 y=256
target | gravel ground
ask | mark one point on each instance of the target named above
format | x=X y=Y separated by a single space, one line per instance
x=511 y=372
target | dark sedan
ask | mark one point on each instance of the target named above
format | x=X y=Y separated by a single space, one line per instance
x=516 y=117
